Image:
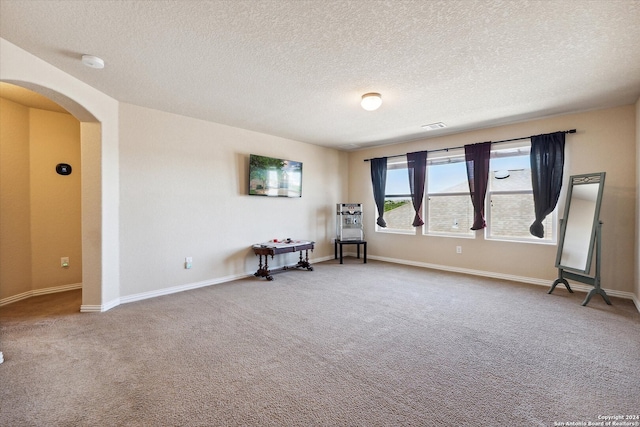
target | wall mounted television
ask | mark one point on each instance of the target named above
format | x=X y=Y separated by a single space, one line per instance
x=274 y=177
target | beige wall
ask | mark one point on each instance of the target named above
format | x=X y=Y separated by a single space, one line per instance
x=55 y=199
x=605 y=141
x=40 y=209
x=15 y=224
x=183 y=193
x=637 y=284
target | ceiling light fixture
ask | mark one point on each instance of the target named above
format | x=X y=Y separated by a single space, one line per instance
x=93 y=61
x=371 y=101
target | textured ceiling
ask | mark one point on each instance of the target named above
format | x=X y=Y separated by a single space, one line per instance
x=297 y=68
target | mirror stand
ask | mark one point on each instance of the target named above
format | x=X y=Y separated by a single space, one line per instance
x=563 y=275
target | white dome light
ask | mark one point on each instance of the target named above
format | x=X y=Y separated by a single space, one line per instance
x=371 y=101
x=93 y=61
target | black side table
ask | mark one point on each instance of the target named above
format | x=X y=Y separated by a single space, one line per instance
x=349 y=242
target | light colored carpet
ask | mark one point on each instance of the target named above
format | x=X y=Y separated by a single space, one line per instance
x=356 y=344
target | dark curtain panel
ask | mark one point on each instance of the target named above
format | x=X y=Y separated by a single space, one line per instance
x=417 y=167
x=379 y=181
x=477 y=159
x=547 y=163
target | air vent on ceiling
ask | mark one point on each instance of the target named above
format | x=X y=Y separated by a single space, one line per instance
x=434 y=126
x=349 y=146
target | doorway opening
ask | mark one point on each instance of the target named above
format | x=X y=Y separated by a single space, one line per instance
x=43 y=223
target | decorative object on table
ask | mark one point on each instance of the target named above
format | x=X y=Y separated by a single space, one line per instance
x=349 y=229
x=349 y=221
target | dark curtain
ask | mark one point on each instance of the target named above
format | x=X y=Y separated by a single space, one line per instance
x=477 y=159
x=417 y=167
x=379 y=181
x=547 y=163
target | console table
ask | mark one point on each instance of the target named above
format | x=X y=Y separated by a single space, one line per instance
x=273 y=248
x=349 y=242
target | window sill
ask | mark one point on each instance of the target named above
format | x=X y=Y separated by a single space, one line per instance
x=528 y=241
x=451 y=235
x=395 y=231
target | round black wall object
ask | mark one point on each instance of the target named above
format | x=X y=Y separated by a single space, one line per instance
x=63 y=169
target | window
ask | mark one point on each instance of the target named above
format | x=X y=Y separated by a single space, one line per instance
x=398 y=209
x=448 y=210
x=448 y=204
x=509 y=204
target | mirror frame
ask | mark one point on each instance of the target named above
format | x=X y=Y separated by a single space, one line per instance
x=574 y=180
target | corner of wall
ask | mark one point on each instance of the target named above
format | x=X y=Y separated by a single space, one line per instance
x=637 y=275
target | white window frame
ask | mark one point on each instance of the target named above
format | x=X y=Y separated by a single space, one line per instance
x=399 y=162
x=452 y=156
x=518 y=148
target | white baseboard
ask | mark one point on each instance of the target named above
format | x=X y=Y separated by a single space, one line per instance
x=180 y=288
x=636 y=301
x=86 y=308
x=325 y=258
x=493 y=275
x=521 y=279
x=172 y=290
x=36 y=292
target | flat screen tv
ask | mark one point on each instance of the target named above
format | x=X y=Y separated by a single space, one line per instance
x=274 y=177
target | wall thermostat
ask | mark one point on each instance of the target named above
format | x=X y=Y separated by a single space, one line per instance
x=63 y=169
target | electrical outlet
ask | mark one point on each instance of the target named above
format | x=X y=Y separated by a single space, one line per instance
x=458 y=249
x=188 y=261
x=64 y=262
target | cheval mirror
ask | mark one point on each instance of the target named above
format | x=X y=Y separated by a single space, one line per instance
x=581 y=234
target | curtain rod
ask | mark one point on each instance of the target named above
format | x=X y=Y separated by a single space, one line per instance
x=457 y=148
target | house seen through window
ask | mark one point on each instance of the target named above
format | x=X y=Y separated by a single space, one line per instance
x=509 y=203
x=448 y=203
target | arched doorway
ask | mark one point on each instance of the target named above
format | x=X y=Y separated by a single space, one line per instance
x=98 y=116
x=88 y=139
x=40 y=220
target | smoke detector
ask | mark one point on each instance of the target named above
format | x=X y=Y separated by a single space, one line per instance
x=93 y=61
